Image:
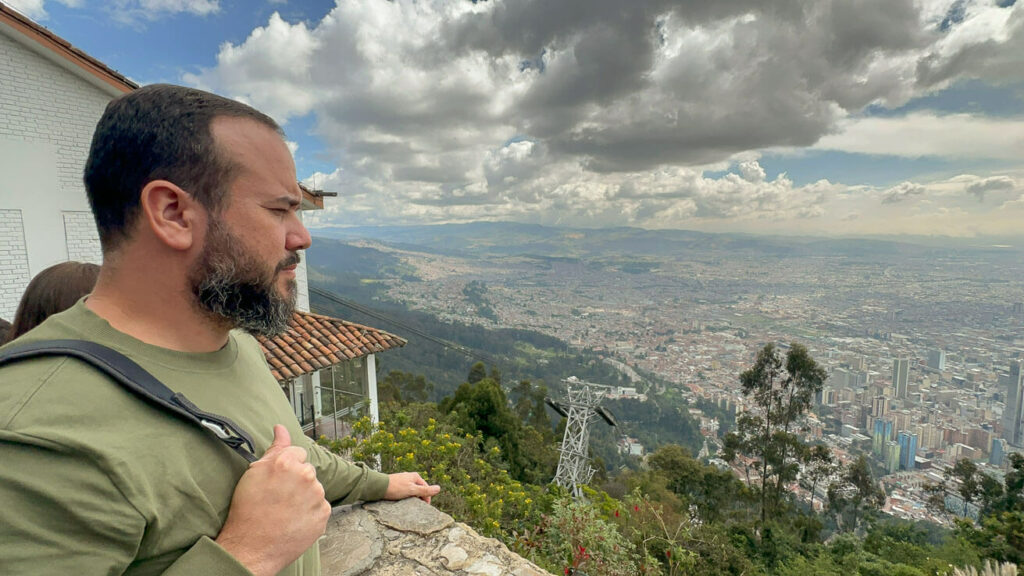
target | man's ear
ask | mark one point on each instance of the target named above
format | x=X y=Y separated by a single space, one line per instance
x=170 y=213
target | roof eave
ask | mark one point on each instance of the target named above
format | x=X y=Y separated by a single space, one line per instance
x=59 y=51
x=311 y=201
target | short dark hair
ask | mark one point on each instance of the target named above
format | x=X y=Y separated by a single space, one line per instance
x=53 y=290
x=158 y=132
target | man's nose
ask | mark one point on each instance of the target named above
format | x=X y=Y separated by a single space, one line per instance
x=298 y=238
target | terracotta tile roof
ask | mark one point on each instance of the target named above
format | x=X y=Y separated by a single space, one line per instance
x=313 y=342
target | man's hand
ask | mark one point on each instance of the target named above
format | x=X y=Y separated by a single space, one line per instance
x=402 y=485
x=278 y=509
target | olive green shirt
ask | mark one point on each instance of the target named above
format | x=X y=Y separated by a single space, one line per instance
x=93 y=480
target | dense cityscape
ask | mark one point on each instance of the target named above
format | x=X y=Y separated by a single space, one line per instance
x=922 y=349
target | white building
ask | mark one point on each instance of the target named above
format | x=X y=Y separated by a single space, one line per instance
x=51 y=96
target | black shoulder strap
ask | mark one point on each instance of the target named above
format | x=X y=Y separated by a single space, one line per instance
x=140 y=382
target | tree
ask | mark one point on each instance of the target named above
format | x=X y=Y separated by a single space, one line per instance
x=477 y=372
x=404 y=387
x=529 y=406
x=710 y=491
x=969 y=483
x=1001 y=535
x=782 y=391
x=967 y=478
x=856 y=493
x=820 y=465
x=483 y=407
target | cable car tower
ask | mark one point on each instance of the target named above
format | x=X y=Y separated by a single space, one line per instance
x=582 y=407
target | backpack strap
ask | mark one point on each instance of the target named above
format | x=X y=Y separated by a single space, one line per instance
x=138 y=381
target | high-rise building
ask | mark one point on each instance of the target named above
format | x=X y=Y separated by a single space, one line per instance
x=892 y=456
x=877 y=440
x=901 y=419
x=930 y=436
x=881 y=434
x=826 y=396
x=859 y=379
x=900 y=375
x=908 y=449
x=879 y=406
x=859 y=363
x=839 y=378
x=998 y=454
x=937 y=359
x=1013 y=413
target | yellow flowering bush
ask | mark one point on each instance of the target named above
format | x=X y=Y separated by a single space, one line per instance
x=475 y=486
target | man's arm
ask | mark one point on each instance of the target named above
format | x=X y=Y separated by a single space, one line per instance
x=403 y=485
x=61 y=514
x=345 y=482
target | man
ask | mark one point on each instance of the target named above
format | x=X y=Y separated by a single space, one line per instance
x=196 y=201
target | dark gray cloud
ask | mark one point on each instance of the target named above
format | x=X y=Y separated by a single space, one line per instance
x=902 y=192
x=604 y=109
x=971 y=50
x=987 y=185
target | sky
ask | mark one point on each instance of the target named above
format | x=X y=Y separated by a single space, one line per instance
x=820 y=117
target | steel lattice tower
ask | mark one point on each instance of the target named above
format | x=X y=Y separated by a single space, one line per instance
x=574 y=468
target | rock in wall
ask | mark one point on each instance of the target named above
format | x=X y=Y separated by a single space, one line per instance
x=411 y=537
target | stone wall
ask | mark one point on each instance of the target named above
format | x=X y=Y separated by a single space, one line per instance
x=411 y=537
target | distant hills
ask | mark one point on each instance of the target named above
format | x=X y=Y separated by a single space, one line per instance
x=515 y=239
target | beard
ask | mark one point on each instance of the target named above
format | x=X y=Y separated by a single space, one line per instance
x=234 y=287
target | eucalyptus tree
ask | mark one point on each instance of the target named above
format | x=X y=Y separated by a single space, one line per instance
x=782 y=389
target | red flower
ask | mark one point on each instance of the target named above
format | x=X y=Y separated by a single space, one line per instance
x=636 y=508
x=567 y=571
x=668 y=553
x=616 y=513
x=582 y=549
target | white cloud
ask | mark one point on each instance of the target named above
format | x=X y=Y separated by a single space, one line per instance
x=135 y=11
x=901 y=192
x=34 y=9
x=271 y=70
x=579 y=111
x=928 y=134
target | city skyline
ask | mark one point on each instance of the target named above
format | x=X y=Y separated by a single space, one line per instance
x=692 y=310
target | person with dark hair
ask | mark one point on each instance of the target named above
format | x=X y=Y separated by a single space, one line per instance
x=196 y=202
x=53 y=290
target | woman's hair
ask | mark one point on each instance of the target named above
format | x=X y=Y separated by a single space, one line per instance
x=53 y=290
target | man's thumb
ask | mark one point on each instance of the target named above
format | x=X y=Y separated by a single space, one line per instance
x=282 y=440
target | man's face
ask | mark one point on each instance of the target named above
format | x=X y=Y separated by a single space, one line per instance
x=245 y=271
x=232 y=283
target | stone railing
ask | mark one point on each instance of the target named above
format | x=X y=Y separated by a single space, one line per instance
x=412 y=537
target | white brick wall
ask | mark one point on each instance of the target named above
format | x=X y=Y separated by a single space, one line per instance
x=40 y=101
x=82 y=237
x=13 y=262
x=47 y=116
